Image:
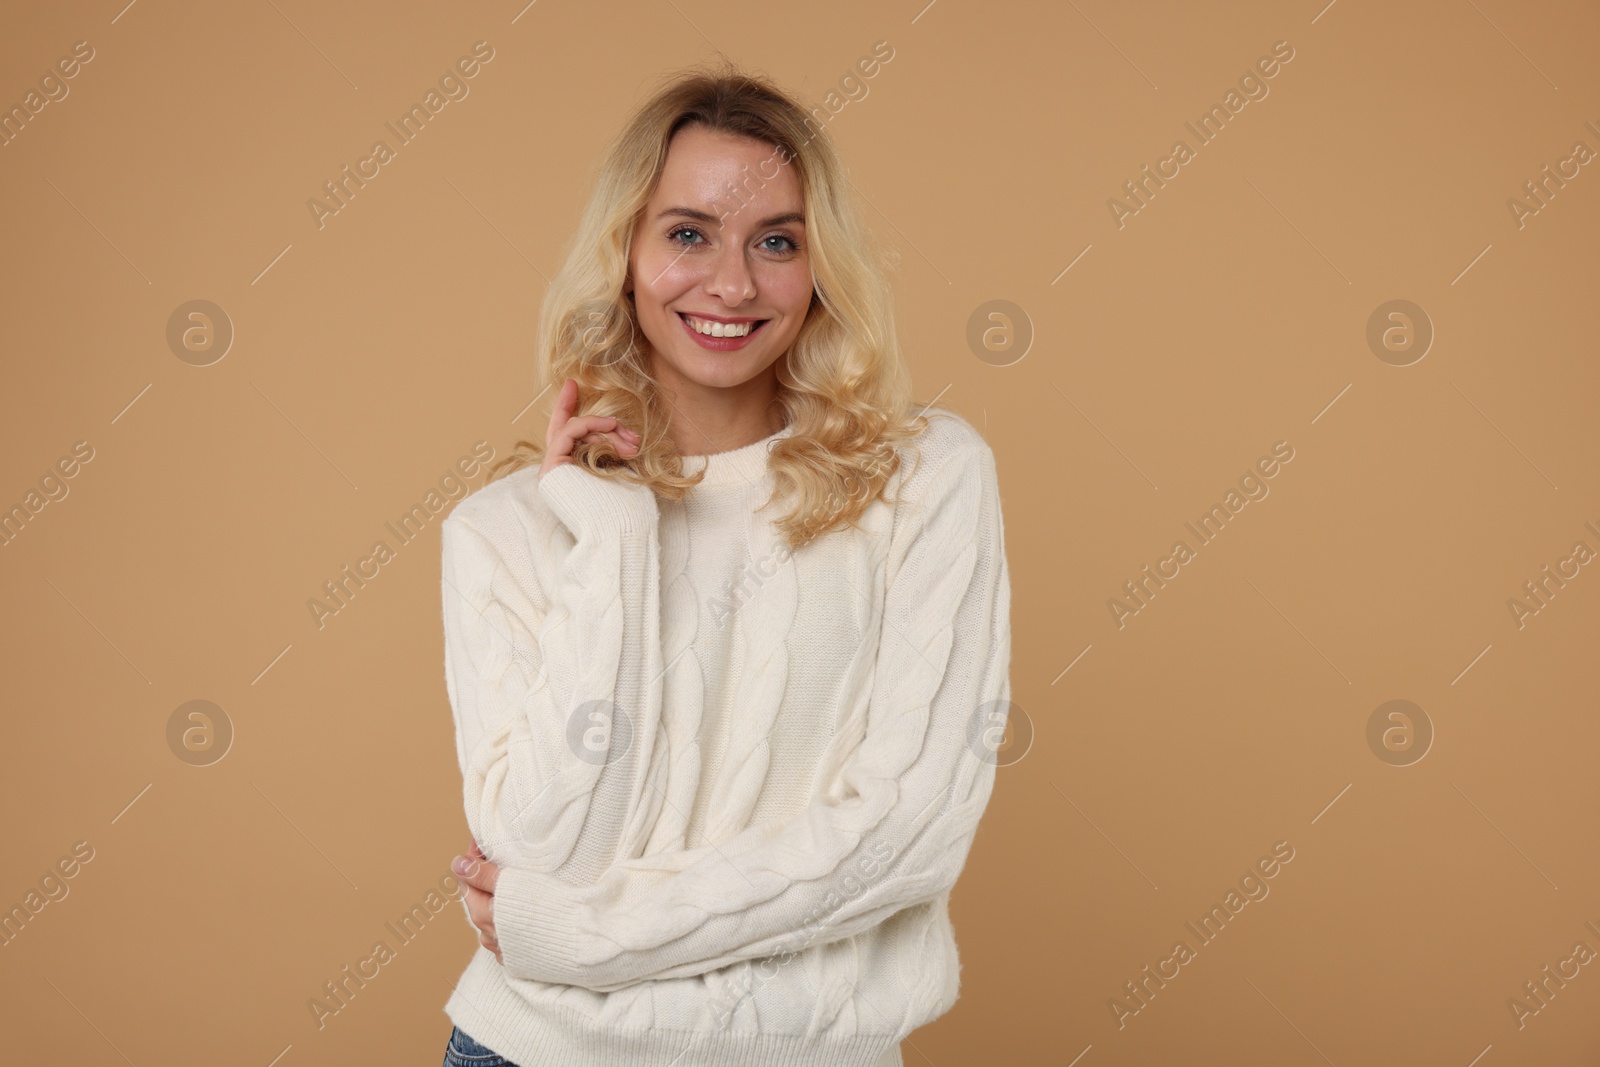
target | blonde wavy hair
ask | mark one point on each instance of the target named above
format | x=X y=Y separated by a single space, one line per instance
x=843 y=385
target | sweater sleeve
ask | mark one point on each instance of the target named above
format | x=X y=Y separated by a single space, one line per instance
x=550 y=688
x=893 y=831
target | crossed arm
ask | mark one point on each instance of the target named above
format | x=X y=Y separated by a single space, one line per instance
x=525 y=670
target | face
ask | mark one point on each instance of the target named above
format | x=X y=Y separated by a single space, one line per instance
x=722 y=240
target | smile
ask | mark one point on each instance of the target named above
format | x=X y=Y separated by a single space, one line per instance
x=720 y=336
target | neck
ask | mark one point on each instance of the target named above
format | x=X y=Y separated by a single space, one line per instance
x=707 y=421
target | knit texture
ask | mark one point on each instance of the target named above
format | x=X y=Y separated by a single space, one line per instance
x=729 y=785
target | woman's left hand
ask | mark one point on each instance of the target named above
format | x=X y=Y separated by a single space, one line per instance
x=478 y=877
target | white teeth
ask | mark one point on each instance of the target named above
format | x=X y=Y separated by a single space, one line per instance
x=719 y=329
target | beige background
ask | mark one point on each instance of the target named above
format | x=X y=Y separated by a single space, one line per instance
x=1228 y=314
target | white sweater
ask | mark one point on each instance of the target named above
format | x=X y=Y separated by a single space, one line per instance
x=729 y=786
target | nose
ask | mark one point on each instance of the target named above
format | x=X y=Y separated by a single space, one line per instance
x=730 y=277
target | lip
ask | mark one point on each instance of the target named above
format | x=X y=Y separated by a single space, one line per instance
x=722 y=344
x=724 y=318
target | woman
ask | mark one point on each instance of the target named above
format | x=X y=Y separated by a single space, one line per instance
x=724 y=759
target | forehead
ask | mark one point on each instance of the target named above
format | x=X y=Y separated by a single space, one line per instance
x=706 y=168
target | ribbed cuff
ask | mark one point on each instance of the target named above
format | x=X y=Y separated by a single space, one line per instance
x=593 y=503
x=535 y=921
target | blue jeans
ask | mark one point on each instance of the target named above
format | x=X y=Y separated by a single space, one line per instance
x=463 y=1051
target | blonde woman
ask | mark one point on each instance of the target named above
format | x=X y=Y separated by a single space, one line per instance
x=727 y=652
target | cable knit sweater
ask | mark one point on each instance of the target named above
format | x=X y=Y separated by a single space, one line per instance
x=729 y=785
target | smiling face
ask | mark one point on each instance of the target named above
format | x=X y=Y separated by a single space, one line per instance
x=705 y=256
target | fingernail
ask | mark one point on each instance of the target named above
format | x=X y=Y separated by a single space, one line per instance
x=460 y=865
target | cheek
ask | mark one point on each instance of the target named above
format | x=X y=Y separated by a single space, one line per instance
x=658 y=279
x=789 y=287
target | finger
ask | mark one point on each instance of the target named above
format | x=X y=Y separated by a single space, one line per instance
x=566 y=403
x=580 y=427
x=481 y=912
x=479 y=909
x=588 y=428
x=560 y=412
x=617 y=432
x=485 y=875
x=567 y=429
x=624 y=444
x=475 y=872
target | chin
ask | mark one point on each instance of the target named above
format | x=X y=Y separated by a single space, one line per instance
x=720 y=376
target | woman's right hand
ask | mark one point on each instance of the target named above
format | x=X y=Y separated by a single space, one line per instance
x=567 y=429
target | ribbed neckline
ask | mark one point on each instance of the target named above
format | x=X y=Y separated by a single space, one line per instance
x=737 y=466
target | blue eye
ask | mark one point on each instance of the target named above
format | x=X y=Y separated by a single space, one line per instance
x=673 y=236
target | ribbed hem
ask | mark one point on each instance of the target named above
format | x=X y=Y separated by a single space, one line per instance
x=537 y=937
x=590 y=503
x=538 y=1032
x=738 y=466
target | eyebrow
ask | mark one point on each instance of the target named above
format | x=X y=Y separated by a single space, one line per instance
x=710 y=219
